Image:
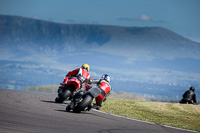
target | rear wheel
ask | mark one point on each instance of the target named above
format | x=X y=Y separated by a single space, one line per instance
x=82 y=105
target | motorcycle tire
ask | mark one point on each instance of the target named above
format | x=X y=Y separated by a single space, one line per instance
x=63 y=96
x=82 y=105
x=58 y=100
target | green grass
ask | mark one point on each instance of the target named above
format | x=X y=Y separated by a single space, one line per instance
x=171 y=114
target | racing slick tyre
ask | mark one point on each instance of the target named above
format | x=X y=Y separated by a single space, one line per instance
x=82 y=105
x=58 y=100
x=62 y=96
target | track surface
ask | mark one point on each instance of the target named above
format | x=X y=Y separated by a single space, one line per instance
x=28 y=112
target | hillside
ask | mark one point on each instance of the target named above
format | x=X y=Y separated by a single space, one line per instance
x=43 y=36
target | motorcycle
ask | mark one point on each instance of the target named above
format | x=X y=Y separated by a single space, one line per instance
x=82 y=101
x=65 y=91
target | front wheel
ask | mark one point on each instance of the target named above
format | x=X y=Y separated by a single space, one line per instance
x=87 y=100
x=58 y=100
x=62 y=96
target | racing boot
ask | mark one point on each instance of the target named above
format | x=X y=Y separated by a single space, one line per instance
x=89 y=107
x=77 y=96
x=68 y=108
x=97 y=107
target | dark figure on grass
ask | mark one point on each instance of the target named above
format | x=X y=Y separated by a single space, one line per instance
x=189 y=97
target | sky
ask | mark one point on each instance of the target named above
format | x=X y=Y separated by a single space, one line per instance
x=180 y=16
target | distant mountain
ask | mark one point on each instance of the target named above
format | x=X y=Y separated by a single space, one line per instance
x=21 y=32
x=150 y=61
x=26 y=31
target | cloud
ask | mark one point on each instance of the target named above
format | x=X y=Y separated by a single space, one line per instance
x=36 y=17
x=130 y=60
x=142 y=18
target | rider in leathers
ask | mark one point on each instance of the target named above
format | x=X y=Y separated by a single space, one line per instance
x=189 y=96
x=105 y=88
x=102 y=84
x=83 y=71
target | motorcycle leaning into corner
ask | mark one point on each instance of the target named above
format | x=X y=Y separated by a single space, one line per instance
x=66 y=90
x=82 y=100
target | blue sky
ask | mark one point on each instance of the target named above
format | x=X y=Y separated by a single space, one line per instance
x=180 y=16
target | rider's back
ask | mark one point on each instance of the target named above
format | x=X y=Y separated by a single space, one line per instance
x=188 y=95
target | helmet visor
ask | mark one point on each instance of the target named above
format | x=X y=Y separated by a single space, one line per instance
x=84 y=67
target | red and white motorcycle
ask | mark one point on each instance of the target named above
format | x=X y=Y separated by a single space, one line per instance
x=65 y=91
x=82 y=101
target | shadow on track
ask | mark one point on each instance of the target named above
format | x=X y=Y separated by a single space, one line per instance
x=83 y=112
x=48 y=101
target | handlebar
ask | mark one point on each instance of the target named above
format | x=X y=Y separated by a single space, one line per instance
x=90 y=85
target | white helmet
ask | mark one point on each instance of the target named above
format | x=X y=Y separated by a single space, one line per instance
x=106 y=77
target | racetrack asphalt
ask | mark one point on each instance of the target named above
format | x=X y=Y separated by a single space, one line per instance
x=29 y=112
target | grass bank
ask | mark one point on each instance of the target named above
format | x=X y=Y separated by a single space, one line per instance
x=171 y=114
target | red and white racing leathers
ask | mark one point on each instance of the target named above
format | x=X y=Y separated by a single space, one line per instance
x=77 y=72
x=105 y=91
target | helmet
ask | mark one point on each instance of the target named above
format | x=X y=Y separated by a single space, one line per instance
x=192 y=88
x=86 y=67
x=105 y=77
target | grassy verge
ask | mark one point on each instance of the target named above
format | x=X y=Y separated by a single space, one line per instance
x=171 y=114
